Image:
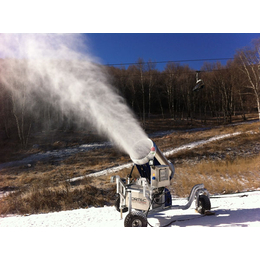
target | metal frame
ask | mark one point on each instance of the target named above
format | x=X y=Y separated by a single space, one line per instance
x=125 y=190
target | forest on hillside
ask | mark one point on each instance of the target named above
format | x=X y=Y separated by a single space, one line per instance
x=231 y=89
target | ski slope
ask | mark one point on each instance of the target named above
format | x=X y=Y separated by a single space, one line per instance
x=231 y=210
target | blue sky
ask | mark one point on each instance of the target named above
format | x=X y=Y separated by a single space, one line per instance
x=117 y=48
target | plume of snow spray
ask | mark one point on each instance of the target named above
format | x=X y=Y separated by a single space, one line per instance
x=54 y=65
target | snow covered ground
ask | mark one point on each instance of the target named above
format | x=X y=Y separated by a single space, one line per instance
x=231 y=210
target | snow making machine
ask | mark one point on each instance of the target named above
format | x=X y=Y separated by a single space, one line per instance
x=149 y=192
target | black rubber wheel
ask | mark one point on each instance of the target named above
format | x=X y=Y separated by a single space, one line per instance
x=203 y=204
x=135 y=219
x=117 y=205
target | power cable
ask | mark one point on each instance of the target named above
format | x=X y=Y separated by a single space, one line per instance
x=192 y=71
x=177 y=73
x=169 y=61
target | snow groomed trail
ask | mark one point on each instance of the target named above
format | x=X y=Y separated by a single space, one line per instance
x=231 y=210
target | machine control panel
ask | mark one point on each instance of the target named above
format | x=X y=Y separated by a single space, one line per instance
x=160 y=176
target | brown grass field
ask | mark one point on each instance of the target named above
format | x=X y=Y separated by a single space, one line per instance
x=225 y=166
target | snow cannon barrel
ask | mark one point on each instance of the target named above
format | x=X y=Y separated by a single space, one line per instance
x=147 y=154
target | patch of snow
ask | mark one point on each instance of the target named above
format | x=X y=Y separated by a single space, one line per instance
x=104 y=172
x=167 y=153
x=58 y=155
x=198 y=143
x=231 y=210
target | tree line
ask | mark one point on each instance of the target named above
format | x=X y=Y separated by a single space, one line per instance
x=231 y=89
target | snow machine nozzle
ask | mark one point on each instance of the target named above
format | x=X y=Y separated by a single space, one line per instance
x=149 y=155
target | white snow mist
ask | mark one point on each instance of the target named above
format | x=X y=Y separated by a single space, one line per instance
x=54 y=65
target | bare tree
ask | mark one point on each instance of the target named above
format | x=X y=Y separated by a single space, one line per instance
x=170 y=78
x=250 y=59
x=151 y=81
x=5 y=115
x=131 y=78
x=18 y=90
x=141 y=67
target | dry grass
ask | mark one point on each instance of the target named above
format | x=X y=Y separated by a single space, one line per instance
x=42 y=198
x=224 y=166
x=45 y=187
x=183 y=137
x=225 y=176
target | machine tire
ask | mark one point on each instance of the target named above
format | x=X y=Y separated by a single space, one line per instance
x=117 y=205
x=135 y=219
x=203 y=204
